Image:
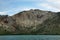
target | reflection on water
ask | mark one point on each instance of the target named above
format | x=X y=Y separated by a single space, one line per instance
x=30 y=37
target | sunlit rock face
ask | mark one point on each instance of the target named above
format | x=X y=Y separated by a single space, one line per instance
x=34 y=17
x=31 y=22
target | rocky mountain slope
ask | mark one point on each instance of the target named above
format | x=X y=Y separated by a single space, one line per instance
x=31 y=22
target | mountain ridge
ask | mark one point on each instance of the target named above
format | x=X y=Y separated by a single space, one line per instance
x=31 y=22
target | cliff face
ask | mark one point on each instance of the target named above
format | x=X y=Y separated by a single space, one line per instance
x=34 y=17
x=31 y=22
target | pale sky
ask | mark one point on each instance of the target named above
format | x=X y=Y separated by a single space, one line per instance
x=12 y=7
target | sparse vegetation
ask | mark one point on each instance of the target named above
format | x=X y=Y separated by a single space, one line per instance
x=33 y=22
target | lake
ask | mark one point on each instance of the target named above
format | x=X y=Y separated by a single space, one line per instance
x=30 y=37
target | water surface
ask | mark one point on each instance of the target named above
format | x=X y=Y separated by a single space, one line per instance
x=30 y=37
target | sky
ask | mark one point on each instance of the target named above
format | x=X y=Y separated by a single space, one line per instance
x=11 y=7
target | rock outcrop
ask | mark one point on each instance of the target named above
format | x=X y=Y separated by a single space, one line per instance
x=31 y=22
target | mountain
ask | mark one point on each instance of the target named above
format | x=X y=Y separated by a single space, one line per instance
x=33 y=21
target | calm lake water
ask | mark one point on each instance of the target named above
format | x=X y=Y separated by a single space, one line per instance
x=30 y=37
